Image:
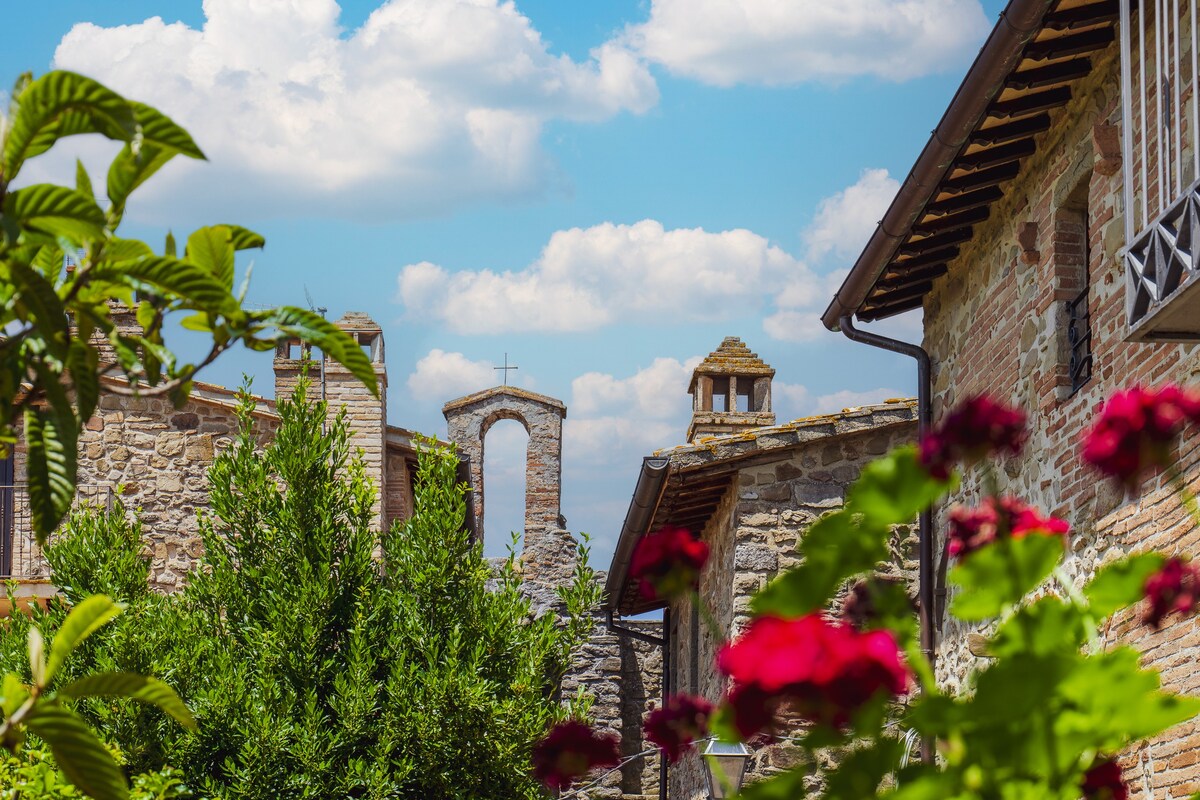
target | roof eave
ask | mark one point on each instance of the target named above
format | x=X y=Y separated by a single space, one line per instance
x=1002 y=51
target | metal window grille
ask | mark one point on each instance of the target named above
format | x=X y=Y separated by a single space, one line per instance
x=1079 y=338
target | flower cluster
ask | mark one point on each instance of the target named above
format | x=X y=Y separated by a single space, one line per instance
x=570 y=750
x=667 y=563
x=1003 y=518
x=1175 y=587
x=1134 y=431
x=676 y=726
x=823 y=671
x=975 y=429
x=1103 y=782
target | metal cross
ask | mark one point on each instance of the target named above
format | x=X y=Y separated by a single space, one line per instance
x=505 y=369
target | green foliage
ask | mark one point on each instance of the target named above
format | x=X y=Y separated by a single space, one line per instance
x=1049 y=700
x=53 y=316
x=320 y=657
x=33 y=774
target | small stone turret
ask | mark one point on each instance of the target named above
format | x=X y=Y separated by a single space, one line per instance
x=365 y=414
x=731 y=392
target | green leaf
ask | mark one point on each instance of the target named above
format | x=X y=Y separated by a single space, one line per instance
x=212 y=248
x=895 y=488
x=15 y=694
x=81 y=756
x=136 y=687
x=1045 y=627
x=1121 y=583
x=83 y=620
x=83 y=181
x=169 y=246
x=315 y=330
x=128 y=171
x=84 y=364
x=50 y=437
x=859 y=774
x=837 y=546
x=61 y=104
x=1002 y=573
x=38 y=303
x=244 y=238
x=37 y=656
x=56 y=211
x=190 y=283
x=126 y=250
x=159 y=129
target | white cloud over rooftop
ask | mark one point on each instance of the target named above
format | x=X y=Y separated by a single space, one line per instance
x=785 y=42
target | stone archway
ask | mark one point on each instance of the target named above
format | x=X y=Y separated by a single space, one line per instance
x=468 y=420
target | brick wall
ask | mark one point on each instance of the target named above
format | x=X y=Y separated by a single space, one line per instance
x=753 y=534
x=994 y=324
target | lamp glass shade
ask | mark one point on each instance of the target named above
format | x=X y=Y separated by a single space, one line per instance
x=725 y=767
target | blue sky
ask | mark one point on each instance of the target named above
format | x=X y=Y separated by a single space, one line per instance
x=601 y=190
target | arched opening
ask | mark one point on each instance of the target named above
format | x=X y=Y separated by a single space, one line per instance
x=505 y=446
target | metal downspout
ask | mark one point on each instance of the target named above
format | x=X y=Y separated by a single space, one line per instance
x=925 y=589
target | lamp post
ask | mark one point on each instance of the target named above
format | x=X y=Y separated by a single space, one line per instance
x=725 y=767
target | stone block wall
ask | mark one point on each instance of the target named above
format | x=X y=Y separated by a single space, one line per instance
x=156 y=458
x=994 y=324
x=752 y=536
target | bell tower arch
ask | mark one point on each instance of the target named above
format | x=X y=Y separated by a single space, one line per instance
x=468 y=420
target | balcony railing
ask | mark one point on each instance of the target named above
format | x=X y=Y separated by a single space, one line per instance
x=20 y=554
x=1160 y=116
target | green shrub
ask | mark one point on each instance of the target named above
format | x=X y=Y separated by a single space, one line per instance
x=321 y=658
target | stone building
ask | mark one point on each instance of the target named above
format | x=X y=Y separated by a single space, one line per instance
x=156 y=457
x=748 y=494
x=1048 y=233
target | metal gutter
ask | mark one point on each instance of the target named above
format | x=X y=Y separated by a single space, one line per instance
x=998 y=57
x=646 y=495
x=925 y=589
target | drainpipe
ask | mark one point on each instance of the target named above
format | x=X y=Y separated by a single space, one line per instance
x=925 y=589
x=664 y=642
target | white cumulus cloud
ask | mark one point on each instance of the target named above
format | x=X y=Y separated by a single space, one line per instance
x=655 y=392
x=443 y=376
x=845 y=220
x=586 y=278
x=783 y=42
x=427 y=105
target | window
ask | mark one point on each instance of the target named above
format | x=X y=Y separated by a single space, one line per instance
x=1072 y=289
x=720 y=395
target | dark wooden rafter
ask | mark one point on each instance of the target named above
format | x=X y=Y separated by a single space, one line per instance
x=924 y=260
x=1051 y=75
x=994 y=156
x=901 y=293
x=982 y=178
x=914 y=247
x=1083 y=16
x=964 y=202
x=952 y=222
x=1072 y=44
x=1031 y=103
x=892 y=280
x=871 y=312
x=1011 y=131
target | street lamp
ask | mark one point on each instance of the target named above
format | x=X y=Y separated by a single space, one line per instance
x=725 y=767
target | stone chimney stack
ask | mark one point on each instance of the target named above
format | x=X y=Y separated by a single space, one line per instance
x=731 y=392
x=365 y=415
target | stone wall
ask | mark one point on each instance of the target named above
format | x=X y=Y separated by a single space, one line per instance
x=156 y=458
x=994 y=324
x=753 y=535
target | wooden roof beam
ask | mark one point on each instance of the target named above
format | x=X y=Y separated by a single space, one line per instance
x=924 y=260
x=914 y=247
x=1083 y=16
x=952 y=222
x=870 y=313
x=1072 y=44
x=893 y=281
x=1011 y=131
x=965 y=202
x=1031 y=103
x=994 y=156
x=982 y=178
x=1039 y=77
